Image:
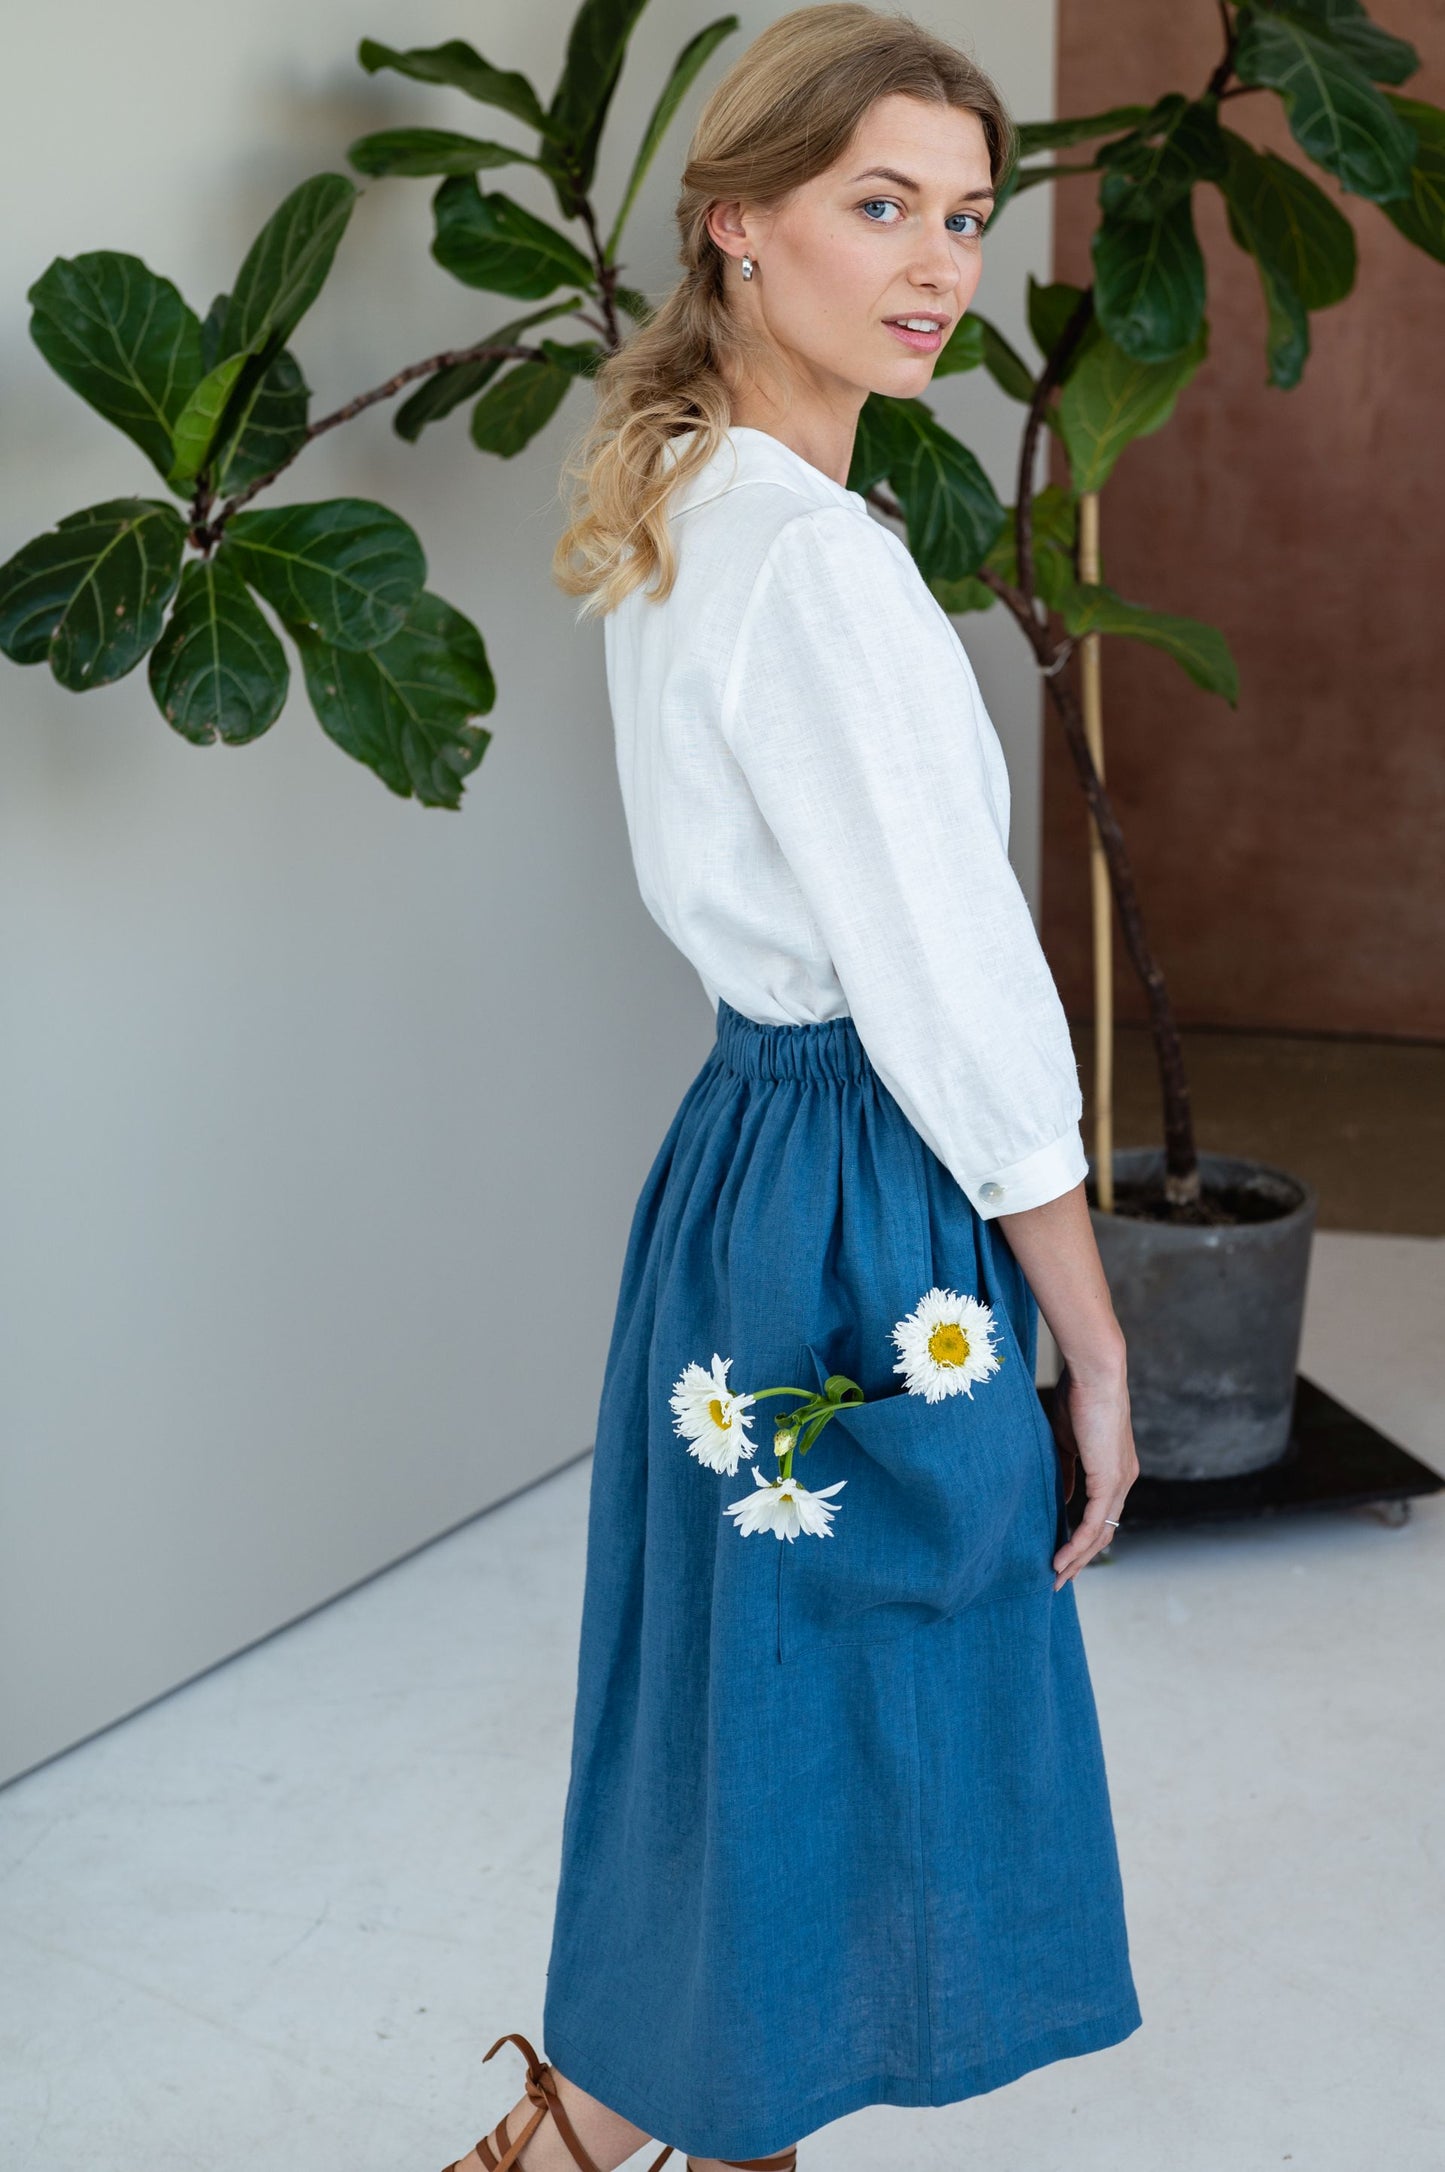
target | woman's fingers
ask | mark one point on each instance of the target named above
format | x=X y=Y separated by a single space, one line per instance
x=1091 y=1535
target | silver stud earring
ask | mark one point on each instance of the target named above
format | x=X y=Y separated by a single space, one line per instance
x=747 y=265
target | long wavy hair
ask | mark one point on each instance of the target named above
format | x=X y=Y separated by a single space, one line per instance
x=784 y=112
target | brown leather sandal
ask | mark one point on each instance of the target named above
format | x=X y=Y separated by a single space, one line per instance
x=499 y=2152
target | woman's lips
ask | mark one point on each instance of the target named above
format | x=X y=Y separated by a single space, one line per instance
x=922 y=342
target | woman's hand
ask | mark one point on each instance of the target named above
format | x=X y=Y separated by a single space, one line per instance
x=1091 y=1419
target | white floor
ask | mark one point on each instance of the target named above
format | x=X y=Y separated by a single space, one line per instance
x=275 y=1919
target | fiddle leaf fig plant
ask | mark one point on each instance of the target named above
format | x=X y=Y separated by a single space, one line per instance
x=201 y=585
x=1114 y=358
x=221 y=409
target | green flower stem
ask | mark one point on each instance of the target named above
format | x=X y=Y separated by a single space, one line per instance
x=811 y=1415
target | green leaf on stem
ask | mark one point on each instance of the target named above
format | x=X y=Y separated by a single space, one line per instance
x=1420 y=216
x=1335 y=113
x=489 y=241
x=447 y=389
x=1050 y=309
x=218 y=670
x=1200 y=650
x=952 y=513
x=286 y=265
x=124 y=339
x=349 y=567
x=420 y=151
x=596 y=48
x=1110 y=399
x=687 y=66
x=1147 y=173
x=1005 y=366
x=403 y=708
x=1379 y=55
x=460 y=67
x=508 y=416
x=1060 y=135
x=1149 y=282
x=90 y=596
x=962 y=350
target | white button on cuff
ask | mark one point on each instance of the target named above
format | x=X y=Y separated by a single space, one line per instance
x=990 y=1192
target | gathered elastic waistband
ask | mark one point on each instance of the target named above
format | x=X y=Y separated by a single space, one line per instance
x=828 y=1049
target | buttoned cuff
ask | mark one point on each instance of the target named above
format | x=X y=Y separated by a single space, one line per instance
x=1046 y=1174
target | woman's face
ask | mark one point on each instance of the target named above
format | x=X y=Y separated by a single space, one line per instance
x=892 y=229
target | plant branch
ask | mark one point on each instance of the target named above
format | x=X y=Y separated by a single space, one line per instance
x=210 y=533
x=1065 y=348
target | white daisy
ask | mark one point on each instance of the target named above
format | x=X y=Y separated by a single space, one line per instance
x=785 y=1508
x=713 y=1421
x=946 y=1346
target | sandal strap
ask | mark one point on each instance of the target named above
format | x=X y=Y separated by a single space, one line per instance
x=541 y=2086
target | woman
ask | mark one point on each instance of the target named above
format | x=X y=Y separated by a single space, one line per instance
x=837 y=1830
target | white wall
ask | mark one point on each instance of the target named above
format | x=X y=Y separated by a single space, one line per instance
x=322 y=1115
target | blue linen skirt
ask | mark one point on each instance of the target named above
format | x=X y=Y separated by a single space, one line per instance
x=837 y=1828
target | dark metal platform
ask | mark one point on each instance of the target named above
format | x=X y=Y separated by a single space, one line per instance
x=1335 y=1459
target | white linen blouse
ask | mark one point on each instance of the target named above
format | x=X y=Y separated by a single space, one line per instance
x=818 y=808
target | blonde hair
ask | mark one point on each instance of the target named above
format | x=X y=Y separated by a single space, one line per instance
x=785 y=111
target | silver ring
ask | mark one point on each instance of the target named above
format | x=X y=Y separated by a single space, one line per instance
x=1113 y=1520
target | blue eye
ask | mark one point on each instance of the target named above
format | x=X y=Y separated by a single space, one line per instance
x=970 y=235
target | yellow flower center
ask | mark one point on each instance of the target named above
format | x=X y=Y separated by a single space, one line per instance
x=948 y=1344
x=718 y=1415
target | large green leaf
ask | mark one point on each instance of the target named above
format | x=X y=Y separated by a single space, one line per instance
x=1059 y=135
x=962 y=350
x=596 y=48
x=199 y=422
x=460 y=66
x=447 y=389
x=1145 y=174
x=286 y=265
x=1200 y=650
x=1335 y=112
x=510 y=413
x=879 y=435
x=403 y=707
x=1055 y=521
x=122 y=338
x=90 y=596
x=952 y=513
x=265 y=425
x=1111 y=399
x=1304 y=250
x=1279 y=213
x=1420 y=216
x=685 y=69
x=430 y=151
x=1149 y=282
x=1054 y=524
x=218 y=670
x=1004 y=364
x=265 y=419
x=1049 y=311
x=348 y=566
x=1345 y=24
x=489 y=241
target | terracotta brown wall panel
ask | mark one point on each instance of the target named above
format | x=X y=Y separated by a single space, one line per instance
x=1291 y=854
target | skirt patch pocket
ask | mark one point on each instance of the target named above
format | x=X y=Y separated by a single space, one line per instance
x=946 y=1504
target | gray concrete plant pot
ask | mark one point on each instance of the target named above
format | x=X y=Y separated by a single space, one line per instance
x=1211 y=1314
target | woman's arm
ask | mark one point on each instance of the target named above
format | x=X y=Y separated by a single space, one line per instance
x=1054 y=1244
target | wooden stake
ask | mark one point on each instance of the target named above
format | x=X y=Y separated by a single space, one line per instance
x=1101 y=909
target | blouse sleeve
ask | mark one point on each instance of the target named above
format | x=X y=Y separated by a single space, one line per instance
x=854 y=715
